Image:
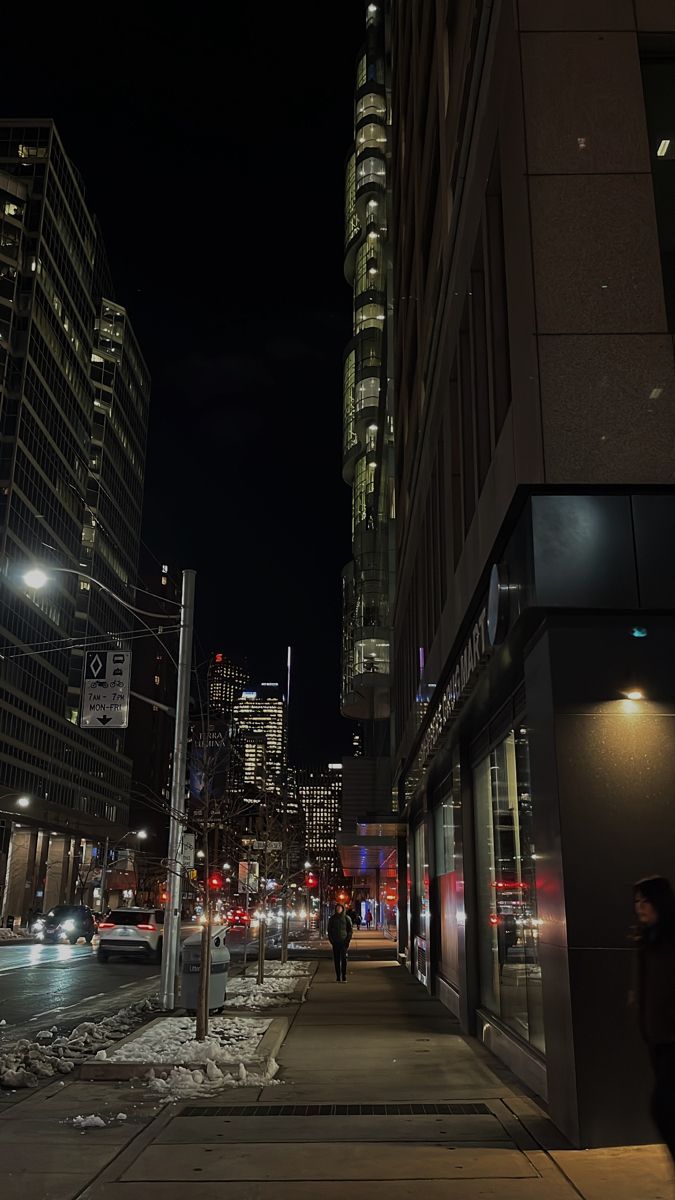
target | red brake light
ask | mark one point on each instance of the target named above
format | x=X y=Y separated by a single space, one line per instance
x=106 y=924
x=152 y=928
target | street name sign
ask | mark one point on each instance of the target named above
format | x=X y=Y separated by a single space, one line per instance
x=268 y=845
x=105 y=690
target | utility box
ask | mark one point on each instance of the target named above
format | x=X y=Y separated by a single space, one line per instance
x=220 y=965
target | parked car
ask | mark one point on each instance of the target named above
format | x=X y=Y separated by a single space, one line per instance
x=67 y=923
x=136 y=932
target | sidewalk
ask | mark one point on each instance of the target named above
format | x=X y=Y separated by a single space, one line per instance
x=379 y=1096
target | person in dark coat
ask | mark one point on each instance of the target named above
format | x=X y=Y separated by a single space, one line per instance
x=340 y=931
x=655 y=911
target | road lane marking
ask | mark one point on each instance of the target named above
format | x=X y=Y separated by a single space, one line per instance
x=65 y=1007
x=49 y=962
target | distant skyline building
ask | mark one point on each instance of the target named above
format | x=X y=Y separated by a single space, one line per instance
x=149 y=740
x=261 y=737
x=74 y=396
x=227 y=681
x=320 y=798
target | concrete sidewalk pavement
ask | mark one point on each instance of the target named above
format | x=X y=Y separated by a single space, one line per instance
x=379 y=1095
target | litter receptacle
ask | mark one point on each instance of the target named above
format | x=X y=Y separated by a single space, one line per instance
x=220 y=965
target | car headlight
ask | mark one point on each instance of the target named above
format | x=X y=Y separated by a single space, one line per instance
x=69 y=925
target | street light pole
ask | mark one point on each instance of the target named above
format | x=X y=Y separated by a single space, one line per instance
x=104 y=875
x=171 y=946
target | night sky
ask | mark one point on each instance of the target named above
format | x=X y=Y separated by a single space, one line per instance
x=214 y=161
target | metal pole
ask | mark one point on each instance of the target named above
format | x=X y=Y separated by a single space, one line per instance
x=171 y=947
x=104 y=876
x=248 y=877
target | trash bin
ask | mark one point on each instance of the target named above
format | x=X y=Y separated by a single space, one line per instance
x=220 y=965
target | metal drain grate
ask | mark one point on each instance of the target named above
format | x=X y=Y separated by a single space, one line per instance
x=336 y=1110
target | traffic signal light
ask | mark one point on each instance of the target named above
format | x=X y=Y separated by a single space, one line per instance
x=215 y=881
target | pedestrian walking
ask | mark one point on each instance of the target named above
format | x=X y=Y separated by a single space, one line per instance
x=369 y=919
x=340 y=931
x=655 y=911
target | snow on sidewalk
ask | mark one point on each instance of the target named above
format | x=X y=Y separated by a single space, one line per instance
x=172 y=1040
x=278 y=986
x=182 y=1083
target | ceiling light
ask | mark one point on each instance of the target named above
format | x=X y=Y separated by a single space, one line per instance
x=663 y=148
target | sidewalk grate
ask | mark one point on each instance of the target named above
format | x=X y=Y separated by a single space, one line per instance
x=336 y=1110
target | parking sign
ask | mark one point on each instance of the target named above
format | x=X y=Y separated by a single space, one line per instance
x=105 y=690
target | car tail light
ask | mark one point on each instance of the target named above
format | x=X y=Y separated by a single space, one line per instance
x=106 y=925
x=151 y=928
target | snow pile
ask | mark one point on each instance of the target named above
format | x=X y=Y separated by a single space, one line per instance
x=181 y=1083
x=278 y=987
x=93 y=1121
x=90 y=1122
x=24 y=1063
x=172 y=1040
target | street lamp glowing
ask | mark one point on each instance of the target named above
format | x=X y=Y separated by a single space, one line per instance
x=201 y=854
x=35 y=578
x=23 y=802
x=227 y=867
x=307 y=866
x=140 y=833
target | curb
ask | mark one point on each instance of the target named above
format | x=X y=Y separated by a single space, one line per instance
x=268 y=1047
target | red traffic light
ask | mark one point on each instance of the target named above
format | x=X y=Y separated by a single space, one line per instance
x=311 y=880
x=215 y=882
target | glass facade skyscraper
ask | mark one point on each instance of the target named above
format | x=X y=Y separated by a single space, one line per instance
x=74 y=395
x=261 y=739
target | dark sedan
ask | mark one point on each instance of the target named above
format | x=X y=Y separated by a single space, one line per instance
x=68 y=923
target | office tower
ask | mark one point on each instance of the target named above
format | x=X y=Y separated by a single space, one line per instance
x=368 y=467
x=320 y=798
x=74 y=394
x=533 y=745
x=261 y=738
x=227 y=681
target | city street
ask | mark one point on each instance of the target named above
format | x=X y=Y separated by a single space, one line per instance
x=48 y=983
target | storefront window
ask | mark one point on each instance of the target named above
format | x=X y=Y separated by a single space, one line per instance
x=510 y=973
x=450 y=887
x=421 y=882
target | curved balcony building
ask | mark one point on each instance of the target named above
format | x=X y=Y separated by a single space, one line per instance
x=367 y=458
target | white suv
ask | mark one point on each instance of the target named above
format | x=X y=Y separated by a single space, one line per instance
x=133 y=931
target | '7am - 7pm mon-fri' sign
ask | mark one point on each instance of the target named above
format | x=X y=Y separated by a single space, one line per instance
x=105 y=690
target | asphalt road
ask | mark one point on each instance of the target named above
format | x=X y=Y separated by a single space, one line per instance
x=42 y=983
